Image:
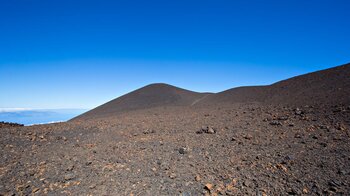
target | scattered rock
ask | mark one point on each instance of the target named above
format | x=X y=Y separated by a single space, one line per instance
x=340 y=127
x=148 y=131
x=292 y=191
x=177 y=160
x=297 y=111
x=209 y=186
x=183 y=150
x=70 y=168
x=69 y=176
x=282 y=118
x=248 y=137
x=305 y=191
x=275 y=123
x=341 y=172
x=281 y=167
x=34 y=190
x=172 y=175
x=206 y=129
x=297 y=135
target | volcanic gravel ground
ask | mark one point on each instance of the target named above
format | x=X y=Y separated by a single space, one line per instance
x=234 y=149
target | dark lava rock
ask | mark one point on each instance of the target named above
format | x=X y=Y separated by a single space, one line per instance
x=275 y=123
x=183 y=150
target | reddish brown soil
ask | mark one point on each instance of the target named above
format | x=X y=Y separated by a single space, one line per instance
x=252 y=147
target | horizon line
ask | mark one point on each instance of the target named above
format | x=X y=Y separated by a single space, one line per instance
x=21 y=109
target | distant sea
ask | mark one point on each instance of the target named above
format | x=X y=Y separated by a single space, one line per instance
x=38 y=116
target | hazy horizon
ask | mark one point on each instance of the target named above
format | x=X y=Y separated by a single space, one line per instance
x=31 y=116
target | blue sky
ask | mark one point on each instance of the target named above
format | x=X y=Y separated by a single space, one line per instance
x=80 y=54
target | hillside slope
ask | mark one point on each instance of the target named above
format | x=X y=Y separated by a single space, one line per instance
x=154 y=95
x=322 y=87
x=330 y=86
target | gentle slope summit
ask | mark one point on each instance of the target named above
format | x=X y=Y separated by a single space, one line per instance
x=150 y=96
x=330 y=86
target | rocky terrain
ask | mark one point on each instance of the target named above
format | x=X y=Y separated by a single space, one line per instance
x=289 y=138
x=9 y=124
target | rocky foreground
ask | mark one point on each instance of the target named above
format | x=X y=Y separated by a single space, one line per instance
x=236 y=149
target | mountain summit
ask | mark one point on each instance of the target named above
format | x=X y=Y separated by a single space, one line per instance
x=150 y=96
x=321 y=87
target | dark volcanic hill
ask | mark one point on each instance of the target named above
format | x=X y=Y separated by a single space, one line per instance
x=321 y=87
x=154 y=95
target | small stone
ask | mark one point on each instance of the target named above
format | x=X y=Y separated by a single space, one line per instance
x=341 y=172
x=211 y=130
x=297 y=135
x=340 y=127
x=35 y=190
x=199 y=131
x=70 y=168
x=31 y=172
x=209 y=186
x=183 y=150
x=172 y=175
x=297 y=111
x=281 y=167
x=148 y=131
x=247 y=183
x=305 y=191
x=282 y=118
x=198 y=178
x=248 y=137
x=206 y=129
x=333 y=183
x=69 y=176
x=260 y=193
x=275 y=123
x=323 y=127
x=292 y=191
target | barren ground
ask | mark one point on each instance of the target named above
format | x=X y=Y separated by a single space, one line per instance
x=256 y=150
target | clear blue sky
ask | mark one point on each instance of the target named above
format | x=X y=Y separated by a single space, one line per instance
x=79 y=54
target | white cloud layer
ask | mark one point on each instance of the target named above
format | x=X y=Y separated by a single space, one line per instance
x=15 y=109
